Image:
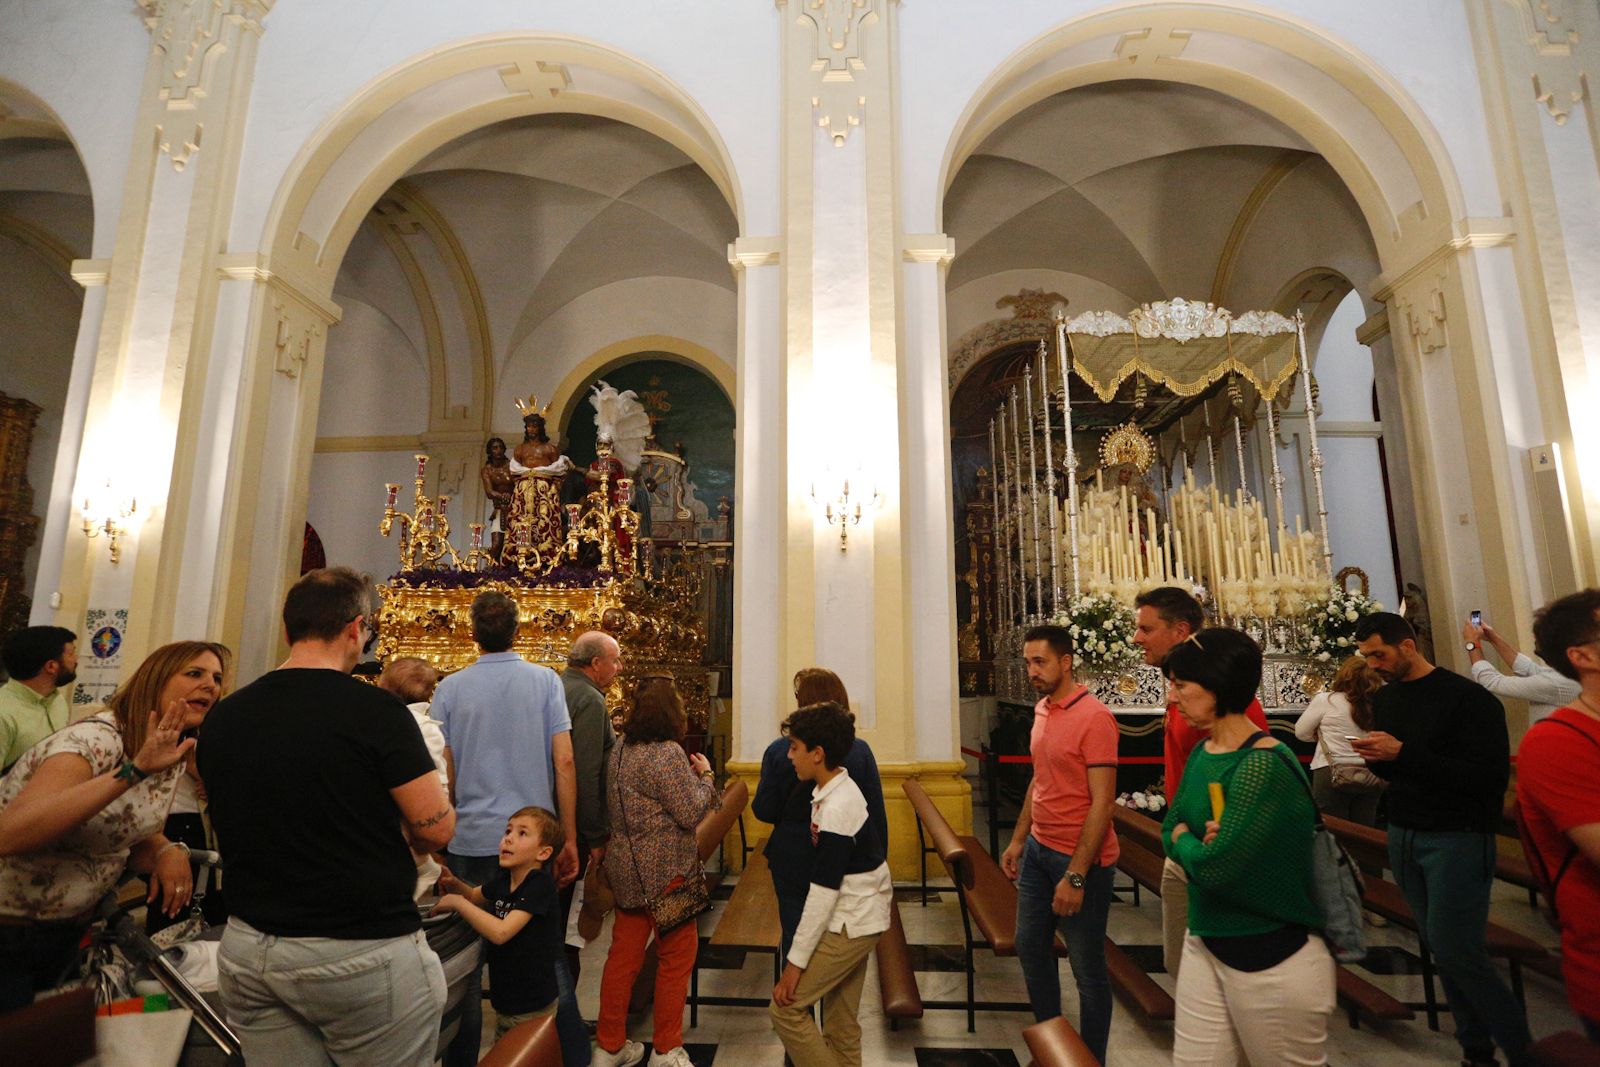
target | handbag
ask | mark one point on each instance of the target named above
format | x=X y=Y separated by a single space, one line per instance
x=1354 y=778
x=1336 y=883
x=681 y=899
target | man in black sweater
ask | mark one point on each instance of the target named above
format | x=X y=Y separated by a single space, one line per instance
x=1440 y=741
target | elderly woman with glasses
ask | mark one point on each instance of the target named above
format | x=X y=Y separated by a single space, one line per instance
x=1256 y=981
x=655 y=795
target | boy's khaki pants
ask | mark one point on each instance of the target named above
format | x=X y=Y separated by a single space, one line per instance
x=834 y=976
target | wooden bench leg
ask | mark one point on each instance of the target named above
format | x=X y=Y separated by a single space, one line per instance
x=694 y=993
x=1430 y=1000
x=922 y=862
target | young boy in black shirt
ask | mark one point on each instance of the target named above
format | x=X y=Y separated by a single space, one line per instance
x=516 y=912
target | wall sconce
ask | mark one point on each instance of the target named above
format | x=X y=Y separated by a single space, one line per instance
x=840 y=505
x=105 y=514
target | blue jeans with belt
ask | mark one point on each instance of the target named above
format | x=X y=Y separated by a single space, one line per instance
x=1041 y=870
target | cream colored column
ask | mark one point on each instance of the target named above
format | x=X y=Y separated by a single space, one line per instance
x=1471 y=509
x=142 y=437
x=1534 y=59
x=858 y=399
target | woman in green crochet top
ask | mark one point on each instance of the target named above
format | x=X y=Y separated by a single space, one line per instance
x=1256 y=981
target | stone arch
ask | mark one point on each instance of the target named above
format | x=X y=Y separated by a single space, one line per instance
x=353 y=159
x=404 y=114
x=569 y=394
x=1383 y=148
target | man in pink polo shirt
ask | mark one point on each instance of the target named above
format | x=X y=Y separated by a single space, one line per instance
x=1063 y=853
x=1164 y=618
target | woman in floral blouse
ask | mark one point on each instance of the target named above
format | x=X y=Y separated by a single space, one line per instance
x=90 y=800
x=656 y=795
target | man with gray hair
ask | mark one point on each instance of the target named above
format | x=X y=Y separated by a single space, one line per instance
x=412 y=679
x=592 y=665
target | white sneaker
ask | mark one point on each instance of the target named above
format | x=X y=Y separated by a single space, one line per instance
x=678 y=1057
x=629 y=1054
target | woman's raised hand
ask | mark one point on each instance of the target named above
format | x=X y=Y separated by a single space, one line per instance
x=699 y=762
x=163 y=744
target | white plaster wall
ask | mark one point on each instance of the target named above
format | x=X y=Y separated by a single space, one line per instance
x=374 y=381
x=346 y=503
x=39 y=313
x=85 y=62
x=316 y=57
x=678 y=307
x=1423 y=48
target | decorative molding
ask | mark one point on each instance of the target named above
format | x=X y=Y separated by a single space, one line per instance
x=1099 y=324
x=754 y=252
x=188 y=37
x=1374 y=329
x=252 y=267
x=837 y=26
x=1033 y=304
x=1180 y=320
x=928 y=248
x=1151 y=45
x=295 y=330
x=384 y=443
x=553 y=78
x=87 y=272
x=1558 y=81
x=1425 y=316
x=1470 y=233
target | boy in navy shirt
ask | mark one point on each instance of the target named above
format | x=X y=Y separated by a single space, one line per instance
x=516 y=911
x=847 y=903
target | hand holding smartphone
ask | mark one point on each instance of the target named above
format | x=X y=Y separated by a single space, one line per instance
x=1477 y=618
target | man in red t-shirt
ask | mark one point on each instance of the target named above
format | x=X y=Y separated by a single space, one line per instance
x=1557 y=767
x=1063 y=852
x=1163 y=618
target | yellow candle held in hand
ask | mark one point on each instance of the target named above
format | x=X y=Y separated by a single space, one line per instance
x=1215 y=789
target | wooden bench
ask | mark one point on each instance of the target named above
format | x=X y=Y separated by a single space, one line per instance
x=897 y=979
x=988 y=900
x=1141 y=859
x=1054 y=1043
x=747 y=912
x=1385 y=898
x=530 y=1044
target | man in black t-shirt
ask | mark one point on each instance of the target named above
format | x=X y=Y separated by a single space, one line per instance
x=1440 y=742
x=318 y=786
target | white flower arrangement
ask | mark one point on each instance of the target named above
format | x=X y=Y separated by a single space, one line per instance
x=1149 y=800
x=1101 y=626
x=1329 y=627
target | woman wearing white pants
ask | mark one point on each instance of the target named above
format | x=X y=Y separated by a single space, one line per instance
x=1257 y=981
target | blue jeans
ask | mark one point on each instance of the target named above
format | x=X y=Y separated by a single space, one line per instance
x=1446 y=876
x=463 y=1050
x=1041 y=870
x=323 y=1000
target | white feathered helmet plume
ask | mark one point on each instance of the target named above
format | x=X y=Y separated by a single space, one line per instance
x=621 y=419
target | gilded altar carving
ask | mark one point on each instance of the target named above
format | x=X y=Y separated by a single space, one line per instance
x=18 y=527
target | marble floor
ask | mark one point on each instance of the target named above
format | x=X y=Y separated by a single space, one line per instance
x=741 y=1036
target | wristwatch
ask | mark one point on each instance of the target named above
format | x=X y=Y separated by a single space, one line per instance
x=1074 y=879
x=1472 y=646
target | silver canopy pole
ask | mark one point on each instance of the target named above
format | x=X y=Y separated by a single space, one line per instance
x=1071 y=457
x=1016 y=479
x=1311 y=437
x=1033 y=492
x=1050 y=483
x=1002 y=553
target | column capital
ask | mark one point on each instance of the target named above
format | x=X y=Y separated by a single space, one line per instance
x=754 y=252
x=928 y=248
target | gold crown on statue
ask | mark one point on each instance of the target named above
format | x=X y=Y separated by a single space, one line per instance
x=531 y=406
x=1128 y=444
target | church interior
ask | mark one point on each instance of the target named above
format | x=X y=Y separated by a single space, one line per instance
x=852 y=333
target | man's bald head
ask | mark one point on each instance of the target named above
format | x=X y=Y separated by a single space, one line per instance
x=410 y=678
x=597 y=655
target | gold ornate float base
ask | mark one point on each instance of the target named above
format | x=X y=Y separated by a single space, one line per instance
x=658 y=636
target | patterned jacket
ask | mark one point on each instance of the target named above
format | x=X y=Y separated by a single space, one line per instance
x=655 y=800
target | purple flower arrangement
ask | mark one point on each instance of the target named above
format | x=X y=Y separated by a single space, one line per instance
x=565 y=576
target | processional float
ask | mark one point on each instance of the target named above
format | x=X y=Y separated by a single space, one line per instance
x=1254 y=572
x=602 y=576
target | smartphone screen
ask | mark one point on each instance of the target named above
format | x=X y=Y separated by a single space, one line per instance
x=1477 y=618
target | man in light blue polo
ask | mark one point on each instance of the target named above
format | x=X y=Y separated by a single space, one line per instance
x=508 y=745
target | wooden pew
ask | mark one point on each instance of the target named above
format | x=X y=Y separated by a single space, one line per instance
x=1142 y=860
x=1383 y=897
x=1054 y=1043
x=530 y=1044
x=988 y=900
x=897 y=979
